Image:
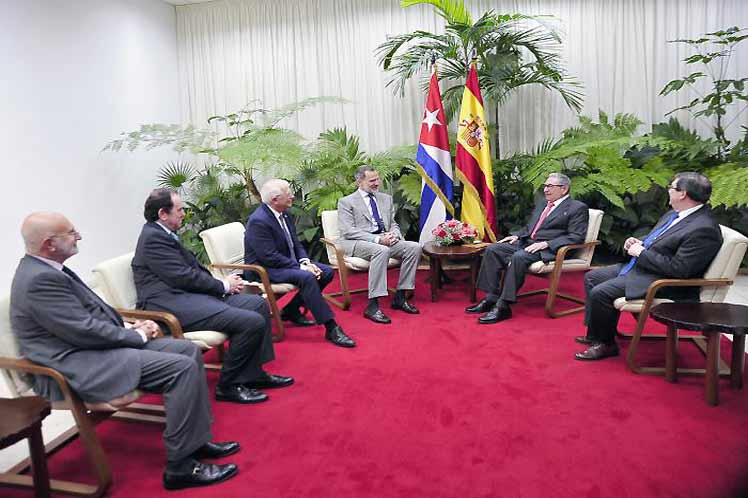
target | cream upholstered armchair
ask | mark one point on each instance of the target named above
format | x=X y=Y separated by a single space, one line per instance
x=225 y=247
x=341 y=262
x=579 y=259
x=116 y=285
x=16 y=371
x=714 y=286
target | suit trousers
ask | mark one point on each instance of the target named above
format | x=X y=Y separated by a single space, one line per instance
x=175 y=368
x=247 y=323
x=514 y=260
x=310 y=291
x=602 y=287
x=409 y=254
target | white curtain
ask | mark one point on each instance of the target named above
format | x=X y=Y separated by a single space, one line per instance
x=232 y=51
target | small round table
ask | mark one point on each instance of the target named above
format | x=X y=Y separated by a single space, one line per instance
x=470 y=253
x=22 y=418
x=711 y=319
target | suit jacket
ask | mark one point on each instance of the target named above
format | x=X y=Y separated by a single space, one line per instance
x=683 y=251
x=265 y=243
x=567 y=224
x=168 y=277
x=355 y=223
x=62 y=324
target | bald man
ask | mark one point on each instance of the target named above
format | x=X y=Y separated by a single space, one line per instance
x=62 y=324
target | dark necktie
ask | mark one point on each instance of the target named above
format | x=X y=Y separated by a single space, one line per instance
x=648 y=242
x=105 y=307
x=375 y=214
x=284 y=226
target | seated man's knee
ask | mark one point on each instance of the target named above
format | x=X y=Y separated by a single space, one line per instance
x=381 y=251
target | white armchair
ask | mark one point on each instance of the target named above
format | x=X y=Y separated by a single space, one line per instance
x=16 y=373
x=580 y=259
x=117 y=287
x=225 y=247
x=714 y=286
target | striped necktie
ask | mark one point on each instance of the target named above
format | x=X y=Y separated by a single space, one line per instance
x=648 y=242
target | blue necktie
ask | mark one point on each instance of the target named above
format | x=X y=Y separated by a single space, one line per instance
x=174 y=236
x=375 y=213
x=648 y=242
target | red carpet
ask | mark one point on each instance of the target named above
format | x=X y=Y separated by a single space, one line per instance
x=436 y=406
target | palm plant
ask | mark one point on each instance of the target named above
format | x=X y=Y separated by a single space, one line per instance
x=511 y=50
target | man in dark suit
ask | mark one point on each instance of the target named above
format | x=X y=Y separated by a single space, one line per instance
x=681 y=245
x=560 y=221
x=270 y=241
x=169 y=278
x=62 y=324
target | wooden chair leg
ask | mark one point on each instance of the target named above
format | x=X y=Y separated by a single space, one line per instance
x=273 y=304
x=345 y=304
x=634 y=345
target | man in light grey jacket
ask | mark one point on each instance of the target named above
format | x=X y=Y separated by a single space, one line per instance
x=366 y=220
x=61 y=323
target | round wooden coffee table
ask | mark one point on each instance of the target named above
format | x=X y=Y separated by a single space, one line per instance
x=711 y=319
x=470 y=253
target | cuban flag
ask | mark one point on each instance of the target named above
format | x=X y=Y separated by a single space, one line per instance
x=435 y=164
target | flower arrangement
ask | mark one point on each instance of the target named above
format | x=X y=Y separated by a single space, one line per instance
x=454 y=232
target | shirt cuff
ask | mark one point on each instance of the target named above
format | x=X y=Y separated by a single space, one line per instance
x=376 y=239
x=142 y=335
x=226 y=286
x=305 y=261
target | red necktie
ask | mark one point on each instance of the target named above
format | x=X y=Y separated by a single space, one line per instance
x=543 y=216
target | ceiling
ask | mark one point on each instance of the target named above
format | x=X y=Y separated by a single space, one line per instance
x=186 y=2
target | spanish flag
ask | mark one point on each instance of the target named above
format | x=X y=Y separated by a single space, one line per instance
x=474 y=161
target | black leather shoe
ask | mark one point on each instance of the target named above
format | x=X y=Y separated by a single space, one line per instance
x=583 y=339
x=481 y=307
x=216 y=450
x=296 y=318
x=336 y=336
x=498 y=313
x=598 y=351
x=269 y=381
x=406 y=307
x=240 y=394
x=202 y=474
x=377 y=316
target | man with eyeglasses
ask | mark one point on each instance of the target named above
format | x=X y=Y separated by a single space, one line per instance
x=559 y=221
x=681 y=245
x=62 y=324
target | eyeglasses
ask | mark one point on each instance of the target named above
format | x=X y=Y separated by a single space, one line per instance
x=670 y=187
x=551 y=185
x=73 y=232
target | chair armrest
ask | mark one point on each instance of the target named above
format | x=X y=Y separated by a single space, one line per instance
x=339 y=254
x=29 y=367
x=157 y=316
x=255 y=268
x=679 y=282
x=561 y=253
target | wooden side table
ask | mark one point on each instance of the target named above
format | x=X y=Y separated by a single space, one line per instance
x=22 y=418
x=469 y=253
x=711 y=319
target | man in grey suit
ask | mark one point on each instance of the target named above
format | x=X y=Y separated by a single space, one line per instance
x=366 y=220
x=62 y=324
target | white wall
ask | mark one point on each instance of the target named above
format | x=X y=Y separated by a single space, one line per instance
x=75 y=74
